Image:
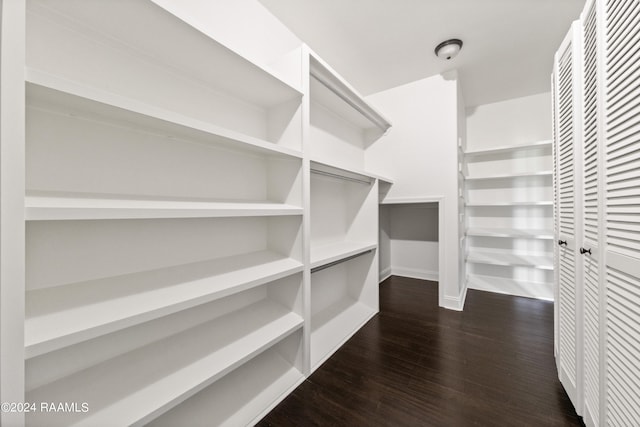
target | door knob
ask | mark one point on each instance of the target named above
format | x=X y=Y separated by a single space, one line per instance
x=585 y=251
x=562 y=242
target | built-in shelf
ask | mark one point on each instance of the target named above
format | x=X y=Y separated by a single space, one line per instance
x=140 y=385
x=508 y=259
x=240 y=398
x=511 y=286
x=509 y=148
x=337 y=95
x=508 y=176
x=510 y=232
x=46 y=207
x=508 y=203
x=358 y=175
x=163 y=41
x=334 y=252
x=53 y=93
x=65 y=315
x=334 y=325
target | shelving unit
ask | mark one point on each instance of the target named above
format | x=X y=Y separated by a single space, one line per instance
x=343 y=208
x=509 y=219
x=164 y=211
x=191 y=251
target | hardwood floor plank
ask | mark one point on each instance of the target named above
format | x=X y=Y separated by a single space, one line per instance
x=415 y=364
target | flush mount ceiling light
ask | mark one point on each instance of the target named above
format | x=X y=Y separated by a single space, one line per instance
x=448 y=49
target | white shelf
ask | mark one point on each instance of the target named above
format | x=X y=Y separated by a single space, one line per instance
x=332 y=252
x=508 y=176
x=509 y=148
x=335 y=325
x=489 y=204
x=47 y=207
x=242 y=397
x=51 y=92
x=65 y=315
x=164 y=40
x=344 y=173
x=524 y=288
x=137 y=387
x=509 y=259
x=510 y=232
x=332 y=91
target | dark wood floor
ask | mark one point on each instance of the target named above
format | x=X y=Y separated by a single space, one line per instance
x=415 y=364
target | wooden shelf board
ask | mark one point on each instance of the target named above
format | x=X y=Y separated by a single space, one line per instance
x=543 y=262
x=334 y=93
x=45 y=207
x=334 y=325
x=539 y=290
x=332 y=252
x=508 y=148
x=242 y=397
x=50 y=92
x=62 y=316
x=508 y=176
x=510 y=232
x=137 y=387
x=490 y=204
x=163 y=41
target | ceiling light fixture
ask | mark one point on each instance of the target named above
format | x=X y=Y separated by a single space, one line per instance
x=448 y=49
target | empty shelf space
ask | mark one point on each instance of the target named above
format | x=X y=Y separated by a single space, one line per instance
x=141 y=385
x=50 y=207
x=334 y=325
x=508 y=175
x=163 y=42
x=333 y=92
x=544 y=262
x=509 y=148
x=328 y=253
x=65 y=315
x=510 y=232
x=49 y=92
x=240 y=398
x=511 y=286
x=509 y=203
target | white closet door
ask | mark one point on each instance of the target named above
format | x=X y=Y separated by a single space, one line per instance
x=554 y=155
x=590 y=247
x=569 y=230
x=622 y=355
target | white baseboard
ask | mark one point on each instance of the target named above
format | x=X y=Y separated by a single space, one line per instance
x=415 y=273
x=384 y=274
x=543 y=291
x=455 y=303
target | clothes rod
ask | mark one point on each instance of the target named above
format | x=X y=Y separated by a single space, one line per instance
x=335 y=175
x=340 y=261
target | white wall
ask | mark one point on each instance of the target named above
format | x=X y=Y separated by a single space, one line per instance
x=514 y=121
x=413 y=238
x=244 y=26
x=420 y=153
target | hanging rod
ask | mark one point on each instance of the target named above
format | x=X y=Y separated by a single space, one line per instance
x=335 y=175
x=340 y=261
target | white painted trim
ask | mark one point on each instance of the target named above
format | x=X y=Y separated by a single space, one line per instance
x=384 y=274
x=455 y=303
x=587 y=417
x=414 y=273
x=515 y=291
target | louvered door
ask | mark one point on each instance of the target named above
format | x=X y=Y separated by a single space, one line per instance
x=567 y=71
x=622 y=132
x=591 y=155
